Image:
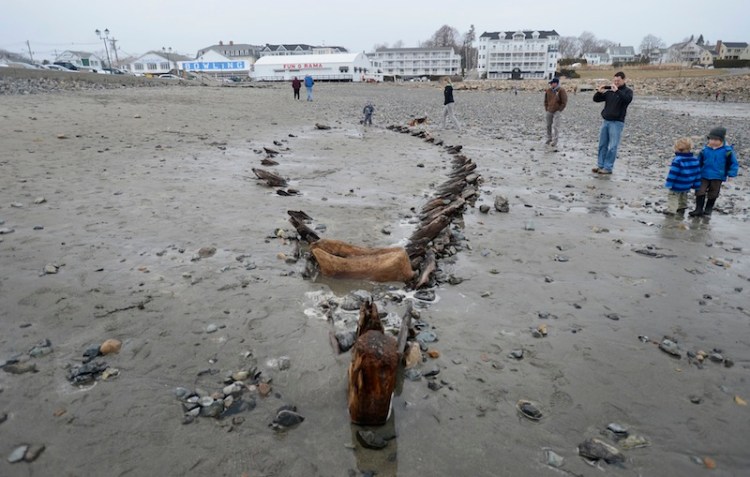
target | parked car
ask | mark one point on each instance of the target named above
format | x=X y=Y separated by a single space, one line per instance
x=58 y=68
x=66 y=64
x=170 y=76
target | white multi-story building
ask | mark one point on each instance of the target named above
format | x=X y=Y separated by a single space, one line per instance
x=520 y=54
x=417 y=62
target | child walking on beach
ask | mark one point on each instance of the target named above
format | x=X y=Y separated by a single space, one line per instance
x=367 y=111
x=684 y=174
x=718 y=162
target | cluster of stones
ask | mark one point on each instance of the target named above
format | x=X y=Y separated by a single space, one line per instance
x=92 y=369
x=241 y=388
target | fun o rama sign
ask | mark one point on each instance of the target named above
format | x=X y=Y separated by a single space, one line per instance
x=300 y=66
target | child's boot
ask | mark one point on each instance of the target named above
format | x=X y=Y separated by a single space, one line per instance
x=700 y=201
x=709 y=207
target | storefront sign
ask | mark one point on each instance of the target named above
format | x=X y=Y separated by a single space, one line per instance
x=299 y=66
x=213 y=65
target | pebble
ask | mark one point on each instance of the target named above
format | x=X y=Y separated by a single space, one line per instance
x=110 y=346
x=50 y=269
x=211 y=328
x=553 y=459
x=670 y=347
x=371 y=440
x=33 y=452
x=18 y=454
x=40 y=200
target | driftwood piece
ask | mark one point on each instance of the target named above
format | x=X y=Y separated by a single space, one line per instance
x=268 y=162
x=273 y=180
x=455 y=207
x=429 y=265
x=339 y=259
x=403 y=332
x=270 y=152
x=415 y=121
x=430 y=230
x=372 y=372
x=299 y=215
x=305 y=232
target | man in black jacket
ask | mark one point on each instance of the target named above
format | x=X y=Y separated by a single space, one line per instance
x=616 y=98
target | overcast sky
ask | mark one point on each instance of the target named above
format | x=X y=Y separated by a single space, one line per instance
x=188 y=25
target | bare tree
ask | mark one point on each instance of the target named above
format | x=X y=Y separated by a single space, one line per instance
x=444 y=36
x=468 y=51
x=588 y=42
x=398 y=44
x=570 y=47
x=380 y=46
x=650 y=43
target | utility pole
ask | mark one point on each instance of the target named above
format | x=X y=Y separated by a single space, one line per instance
x=30 y=55
x=113 y=43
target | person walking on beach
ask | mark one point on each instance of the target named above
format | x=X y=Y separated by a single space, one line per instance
x=718 y=162
x=684 y=174
x=367 y=112
x=616 y=98
x=555 y=100
x=309 y=86
x=448 y=105
x=296 y=85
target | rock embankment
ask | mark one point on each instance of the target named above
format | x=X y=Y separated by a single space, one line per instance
x=23 y=81
x=729 y=87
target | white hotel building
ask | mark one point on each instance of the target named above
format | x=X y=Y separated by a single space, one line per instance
x=518 y=55
x=417 y=62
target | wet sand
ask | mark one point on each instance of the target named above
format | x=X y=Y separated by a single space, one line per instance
x=143 y=179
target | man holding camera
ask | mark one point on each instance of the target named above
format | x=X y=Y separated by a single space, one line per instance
x=616 y=98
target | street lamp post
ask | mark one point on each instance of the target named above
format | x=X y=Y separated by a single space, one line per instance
x=167 y=51
x=104 y=36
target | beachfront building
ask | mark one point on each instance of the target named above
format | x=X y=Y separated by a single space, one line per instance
x=732 y=50
x=82 y=60
x=216 y=65
x=408 y=63
x=595 y=59
x=233 y=51
x=155 y=63
x=518 y=54
x=299 y=49
x=354 y=67
x=621 y=54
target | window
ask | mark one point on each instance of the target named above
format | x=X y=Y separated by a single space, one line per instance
x=138 y=66
x=164 y=66
x=151 y=66
x=345 y=69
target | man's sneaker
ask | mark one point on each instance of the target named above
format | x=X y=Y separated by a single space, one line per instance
x=604 y=171
x=595 y=169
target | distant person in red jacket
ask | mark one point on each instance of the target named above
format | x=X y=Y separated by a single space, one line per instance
x=296 y=85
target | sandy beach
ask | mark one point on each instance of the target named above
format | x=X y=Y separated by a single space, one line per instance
x=113 y=201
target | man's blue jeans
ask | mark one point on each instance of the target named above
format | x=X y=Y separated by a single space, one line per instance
x=609 y=140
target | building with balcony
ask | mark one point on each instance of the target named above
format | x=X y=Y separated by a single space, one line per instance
x=408 y=63
x=518 y=54
x=299 y=49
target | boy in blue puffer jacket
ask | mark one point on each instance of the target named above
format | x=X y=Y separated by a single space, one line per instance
x=718 y=162
x=684 y=174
